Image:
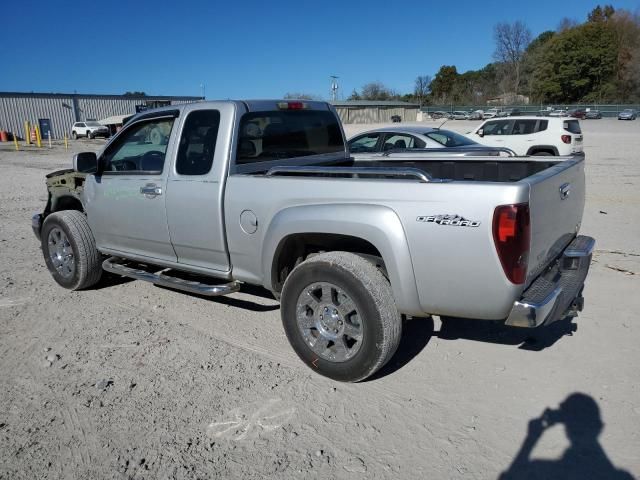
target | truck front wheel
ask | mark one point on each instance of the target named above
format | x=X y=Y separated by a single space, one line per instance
x=70 y=250
x=340 y=317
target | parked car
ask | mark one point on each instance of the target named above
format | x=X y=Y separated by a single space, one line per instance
x=265 y=193
x=439 y=115
x=577 y=113
x=510 y=112
x=532 y=135
x=593 y=114
x=627 y=114
x=476 y=115
x=396 y=118
x=89 y=129
x=559 y=113
x=409 y=137
x=460 y=115
x=492 y=112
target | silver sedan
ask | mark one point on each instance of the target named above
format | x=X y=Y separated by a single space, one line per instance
x=407 y=137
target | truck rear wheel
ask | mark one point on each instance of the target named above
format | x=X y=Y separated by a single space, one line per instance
x=340 y=317
x=70 y=250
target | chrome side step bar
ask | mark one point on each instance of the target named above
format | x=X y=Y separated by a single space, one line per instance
x=115 y=265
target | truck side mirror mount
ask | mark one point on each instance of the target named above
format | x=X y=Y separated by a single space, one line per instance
x=85 y=162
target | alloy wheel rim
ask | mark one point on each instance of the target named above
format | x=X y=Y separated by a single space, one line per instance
x=61 y=253
x=329 y=322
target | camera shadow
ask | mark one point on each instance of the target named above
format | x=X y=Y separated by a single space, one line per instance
x=584 y=458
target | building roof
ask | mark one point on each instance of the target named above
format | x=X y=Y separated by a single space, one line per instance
x=374 y=103
x=92 y=95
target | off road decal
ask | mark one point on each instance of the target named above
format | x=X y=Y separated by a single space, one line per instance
x=450 y=220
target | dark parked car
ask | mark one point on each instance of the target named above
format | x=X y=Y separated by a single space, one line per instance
x=396 y=118
x=577 y=113
x=593 y=114
x=510 y=112
x=627 y=114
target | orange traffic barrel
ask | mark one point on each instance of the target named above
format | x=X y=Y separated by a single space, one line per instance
x=4 y=136
x=34 y=137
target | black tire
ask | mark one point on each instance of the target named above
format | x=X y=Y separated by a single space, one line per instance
x=87 y=266
x=89 y=136
x=74 y=135
x=371 y=293
x=542 y=154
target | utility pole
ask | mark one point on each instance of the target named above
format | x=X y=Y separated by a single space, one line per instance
x=334 y=87
x=202 y=89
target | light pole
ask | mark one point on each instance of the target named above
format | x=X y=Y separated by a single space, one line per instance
x=202 y=89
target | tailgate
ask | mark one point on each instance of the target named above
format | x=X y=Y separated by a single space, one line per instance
x=556 y=202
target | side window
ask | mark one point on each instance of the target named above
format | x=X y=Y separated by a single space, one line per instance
x=141 y=148
x=542 y=125
x=198 y=142
x=395 y=140
x=365 y=143
x=81 y=125
x=524 y=127
x=500 y=127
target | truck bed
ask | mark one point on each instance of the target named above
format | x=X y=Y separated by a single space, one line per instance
x=502 y=170
x=446 y=168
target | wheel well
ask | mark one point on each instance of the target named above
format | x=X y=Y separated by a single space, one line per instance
x=294 y=249
x=67 y=202
x=534 y=150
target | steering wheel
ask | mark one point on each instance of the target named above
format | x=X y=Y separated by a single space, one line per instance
x=155 y=157
x=123 y=165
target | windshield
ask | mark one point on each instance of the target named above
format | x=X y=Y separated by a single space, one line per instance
x=93 y=124
x=448 y=138
x=275 y=135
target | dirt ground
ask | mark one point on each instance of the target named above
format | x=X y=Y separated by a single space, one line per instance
x=130 y=380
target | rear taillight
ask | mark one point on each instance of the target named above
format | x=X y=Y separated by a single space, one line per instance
x=566 y=138
x=512 y=236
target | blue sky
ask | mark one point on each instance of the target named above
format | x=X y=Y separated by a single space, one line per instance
x=253 y=49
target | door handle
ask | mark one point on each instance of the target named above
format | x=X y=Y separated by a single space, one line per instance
x=151 y=190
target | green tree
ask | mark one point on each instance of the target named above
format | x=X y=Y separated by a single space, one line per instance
x=577 y=65
x=443 y=84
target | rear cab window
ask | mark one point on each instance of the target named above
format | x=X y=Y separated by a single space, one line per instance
x=276 y=135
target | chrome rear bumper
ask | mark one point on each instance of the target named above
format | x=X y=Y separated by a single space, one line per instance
x=557 y=292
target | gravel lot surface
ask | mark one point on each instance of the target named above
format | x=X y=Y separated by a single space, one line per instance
x=130 y=380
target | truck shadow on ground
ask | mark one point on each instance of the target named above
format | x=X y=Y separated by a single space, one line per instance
x=416 y=334
x=496 y=332
x=232 y=301
x=584 y=458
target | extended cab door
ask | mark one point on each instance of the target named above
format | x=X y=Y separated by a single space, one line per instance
x=126 y=203
x=195 y=186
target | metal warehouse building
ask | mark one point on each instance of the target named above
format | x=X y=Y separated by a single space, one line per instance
x=375 y=111
x=56 y=112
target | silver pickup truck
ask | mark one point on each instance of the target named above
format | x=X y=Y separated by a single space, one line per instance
x=208 y=196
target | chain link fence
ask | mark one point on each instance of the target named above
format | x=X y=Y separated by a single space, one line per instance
x=607 y=110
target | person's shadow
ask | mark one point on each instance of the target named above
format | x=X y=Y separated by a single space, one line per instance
x=585 y=457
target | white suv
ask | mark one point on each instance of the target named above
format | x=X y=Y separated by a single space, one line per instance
x=89 y=129
x=532 y=135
